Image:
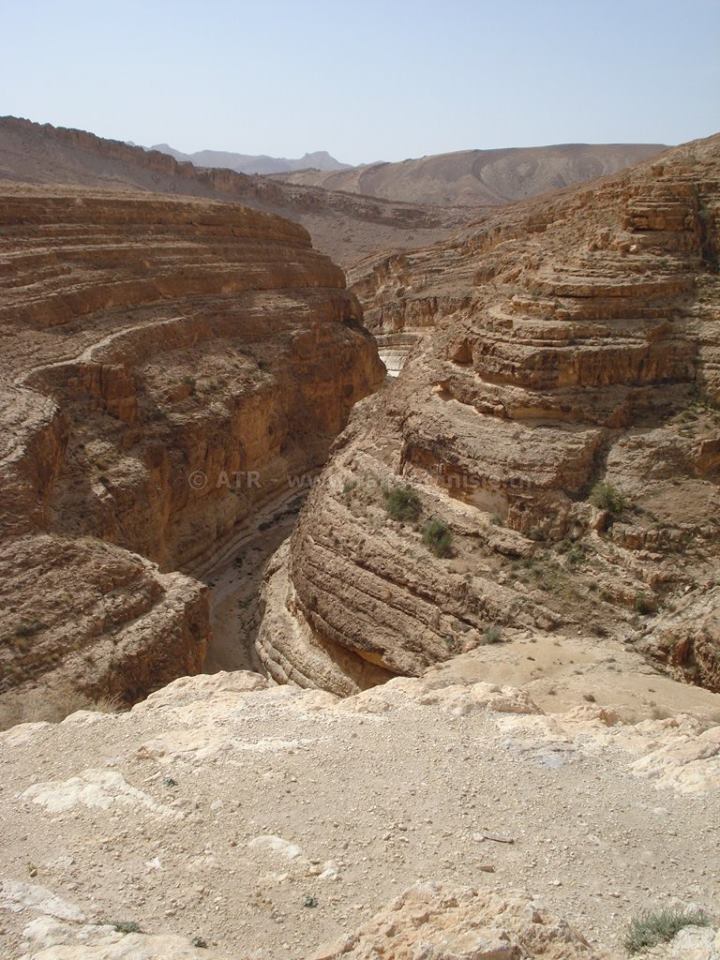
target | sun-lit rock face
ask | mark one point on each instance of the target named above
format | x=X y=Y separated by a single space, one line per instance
x=565 y=343
x=225 y=803
x=168 y=368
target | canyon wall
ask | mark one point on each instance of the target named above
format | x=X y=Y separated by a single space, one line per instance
x=168 y=370
x=343 y=225
x=554 y=433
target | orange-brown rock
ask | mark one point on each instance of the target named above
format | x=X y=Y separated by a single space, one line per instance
x=565 y=343
x=168 y=369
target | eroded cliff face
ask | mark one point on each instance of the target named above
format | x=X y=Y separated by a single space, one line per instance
x=566 y=346
x=343 y=225
x=168 y=369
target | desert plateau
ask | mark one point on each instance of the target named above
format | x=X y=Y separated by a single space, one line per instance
x=359 y=521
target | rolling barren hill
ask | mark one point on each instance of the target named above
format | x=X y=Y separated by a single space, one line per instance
x=481 y=177
x=342 y=225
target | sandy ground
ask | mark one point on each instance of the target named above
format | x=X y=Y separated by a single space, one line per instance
x=562 y=671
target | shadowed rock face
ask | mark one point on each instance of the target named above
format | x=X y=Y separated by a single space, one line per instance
x=167 y=369
x=563 y=343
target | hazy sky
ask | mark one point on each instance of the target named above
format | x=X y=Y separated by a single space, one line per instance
x=365 y=80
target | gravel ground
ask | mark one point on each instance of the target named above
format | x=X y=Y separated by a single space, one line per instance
x=360 y=806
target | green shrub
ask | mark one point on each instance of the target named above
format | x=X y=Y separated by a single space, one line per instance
x=644 y=604
x=126 y=926
x=402 y=503
x=606 y=497
x=493 y=634
x=437 y=536
x=29 y=629
x=650 y=928
x=575 y=555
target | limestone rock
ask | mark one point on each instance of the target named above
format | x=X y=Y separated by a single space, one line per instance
x=434 y=921
x=259 y=817
x=168 y=370
x=53 y=940
x=343 y=225
x=565 y=346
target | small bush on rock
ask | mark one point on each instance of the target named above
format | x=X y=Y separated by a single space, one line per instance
x=605 y=496
x=645 y=605
x=402 y=503
x=650 y=928
x=437 y=536
x=493 y=634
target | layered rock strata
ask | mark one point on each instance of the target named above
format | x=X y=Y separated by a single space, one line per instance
x=559 y=419
x=168 y=370
x=343 y=225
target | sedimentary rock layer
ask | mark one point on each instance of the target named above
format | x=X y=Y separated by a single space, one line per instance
x=167 y=369
x=343 y=225
x=566 y=349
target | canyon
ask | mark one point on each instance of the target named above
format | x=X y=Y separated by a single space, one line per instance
x=557 y=416
x=168 y=367
x=304 y=654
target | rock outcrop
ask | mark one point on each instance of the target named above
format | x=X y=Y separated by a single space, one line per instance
x=558 y=425
x=224 y=816
x=441 y=923
x=168 y=369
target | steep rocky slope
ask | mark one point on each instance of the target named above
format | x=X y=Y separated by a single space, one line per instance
x=481 y=177
x=342 y=225
x=224 y=818
x=167 y=369
x=558 y=418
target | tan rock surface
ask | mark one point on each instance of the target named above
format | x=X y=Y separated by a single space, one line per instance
x=440 y=923
x=566 y=342
x=168 y=369
x=271 y=820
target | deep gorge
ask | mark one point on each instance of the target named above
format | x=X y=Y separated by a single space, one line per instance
x=166 y=349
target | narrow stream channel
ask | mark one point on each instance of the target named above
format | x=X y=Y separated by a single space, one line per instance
x=235 y=593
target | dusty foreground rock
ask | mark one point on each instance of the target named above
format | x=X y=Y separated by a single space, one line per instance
x=554 y=432
x=264 y=822
x=168 y=370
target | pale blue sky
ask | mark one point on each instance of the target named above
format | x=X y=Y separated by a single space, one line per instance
x=365 y=80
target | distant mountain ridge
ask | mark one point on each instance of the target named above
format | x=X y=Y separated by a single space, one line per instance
x=248 y=163
x=482 y=177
